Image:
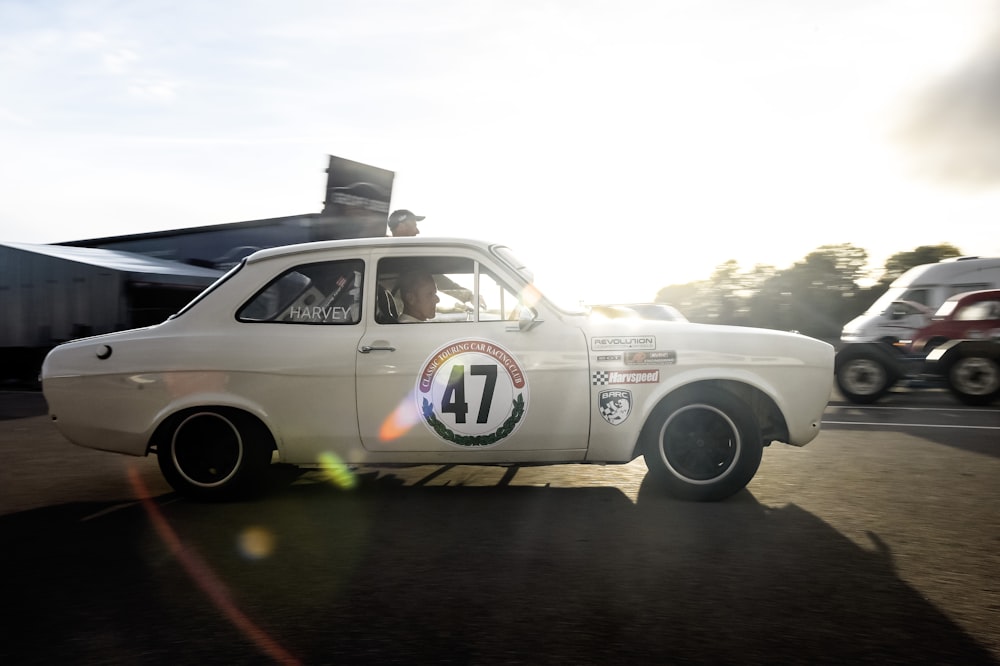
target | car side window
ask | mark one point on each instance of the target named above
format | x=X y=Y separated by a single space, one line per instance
x=466 y=290
x=962 y=288
x=497 y=300
x=327 y=293
x=980 y=311
x=449 y=300
x=917 y=296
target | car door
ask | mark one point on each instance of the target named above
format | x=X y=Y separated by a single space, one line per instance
x=471 y=382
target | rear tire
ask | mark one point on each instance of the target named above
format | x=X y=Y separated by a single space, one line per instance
x=974 y=380
x=215 y=454
x=703 y=445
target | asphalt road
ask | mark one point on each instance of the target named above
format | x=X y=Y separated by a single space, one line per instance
x=876 y=543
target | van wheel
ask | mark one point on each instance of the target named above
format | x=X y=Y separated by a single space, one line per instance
x=862 y=378
x=974 y=380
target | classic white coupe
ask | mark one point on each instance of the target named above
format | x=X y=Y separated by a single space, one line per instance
x=300 y=355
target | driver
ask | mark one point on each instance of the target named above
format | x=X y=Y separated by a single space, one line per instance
x=419 y=295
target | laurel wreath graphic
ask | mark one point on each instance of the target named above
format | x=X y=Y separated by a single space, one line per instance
x=505 y=428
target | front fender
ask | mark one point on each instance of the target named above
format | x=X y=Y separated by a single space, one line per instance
x=788 y=405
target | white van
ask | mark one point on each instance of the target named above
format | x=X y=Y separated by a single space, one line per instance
x=916 y=294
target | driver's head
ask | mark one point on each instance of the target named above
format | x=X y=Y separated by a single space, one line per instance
x=419 y=294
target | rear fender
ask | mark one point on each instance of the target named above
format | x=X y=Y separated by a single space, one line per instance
x=208 y=401
x=942 y=357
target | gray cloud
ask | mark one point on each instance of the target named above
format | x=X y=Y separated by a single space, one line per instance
x=952 y=132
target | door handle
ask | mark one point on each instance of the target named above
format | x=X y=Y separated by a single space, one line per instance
x=365 y=349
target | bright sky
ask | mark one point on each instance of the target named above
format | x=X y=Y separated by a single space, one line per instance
x=627 y=144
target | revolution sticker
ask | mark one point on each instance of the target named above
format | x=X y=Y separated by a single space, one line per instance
x=614 y=342
x=472 y=393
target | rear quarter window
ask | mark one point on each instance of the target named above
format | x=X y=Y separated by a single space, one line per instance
x=320 y=293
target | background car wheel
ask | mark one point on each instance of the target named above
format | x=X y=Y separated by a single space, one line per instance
x=703 y=445
x=975 y=380
x=215 y=454
x=863 y=379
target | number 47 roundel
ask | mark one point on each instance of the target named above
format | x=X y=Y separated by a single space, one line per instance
x=472 y=393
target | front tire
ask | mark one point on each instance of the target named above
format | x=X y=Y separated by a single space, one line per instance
x=863 y=378
x=703 y=445
x=974 y=380
x=215 y=454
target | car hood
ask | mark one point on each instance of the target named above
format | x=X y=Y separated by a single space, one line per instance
x=731 y=341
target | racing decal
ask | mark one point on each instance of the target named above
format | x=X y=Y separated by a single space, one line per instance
x=609 y=357
x=615 y=405
x=317 y=313
x=604 y=377
x=640 y=357
x=612 y=342
x=472 y=393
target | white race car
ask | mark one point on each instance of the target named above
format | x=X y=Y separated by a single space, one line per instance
x=297 y=355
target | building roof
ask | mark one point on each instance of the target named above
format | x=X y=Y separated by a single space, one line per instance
x=303 y=220
x=137 y=265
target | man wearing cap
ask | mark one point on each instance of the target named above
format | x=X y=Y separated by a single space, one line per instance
x=404 y=223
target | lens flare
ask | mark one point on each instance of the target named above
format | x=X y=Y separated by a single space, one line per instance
x=205 y=577
x=399 y=422
x=530 y=296
x=336 y=472
x=256 y=543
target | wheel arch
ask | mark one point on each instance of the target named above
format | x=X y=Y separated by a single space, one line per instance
x=887 y=354
x=170 y=418
x=773 y=426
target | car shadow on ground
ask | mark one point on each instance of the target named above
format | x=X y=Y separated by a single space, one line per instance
x=398 y=571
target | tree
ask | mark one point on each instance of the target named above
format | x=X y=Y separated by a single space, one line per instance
x=816 y=295
x=901 y=262
x=813 y=296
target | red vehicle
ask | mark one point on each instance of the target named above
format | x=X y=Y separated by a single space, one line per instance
x=974 y=315
x=959 y=348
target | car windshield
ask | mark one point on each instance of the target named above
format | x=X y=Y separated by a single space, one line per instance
x=886 y=300
x=946 y=308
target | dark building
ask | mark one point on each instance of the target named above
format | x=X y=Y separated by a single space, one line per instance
x=53 y=293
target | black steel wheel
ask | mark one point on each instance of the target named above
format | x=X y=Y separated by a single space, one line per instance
x=215 y=454
x=703 y=445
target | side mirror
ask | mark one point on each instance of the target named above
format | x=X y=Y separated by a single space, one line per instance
x=527 y=319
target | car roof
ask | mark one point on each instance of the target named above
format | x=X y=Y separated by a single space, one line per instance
x=363 y=243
